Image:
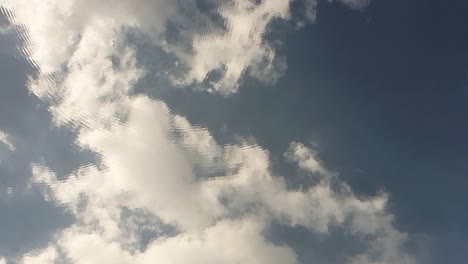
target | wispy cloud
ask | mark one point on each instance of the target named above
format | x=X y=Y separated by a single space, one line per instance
x=356 y=4
x=5 y=139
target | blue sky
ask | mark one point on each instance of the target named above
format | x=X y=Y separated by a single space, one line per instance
x=324 y=132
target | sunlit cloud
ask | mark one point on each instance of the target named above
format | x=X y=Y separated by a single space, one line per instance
x=141 y=201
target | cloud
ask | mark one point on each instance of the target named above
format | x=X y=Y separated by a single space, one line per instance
x=56 y=29
x=5 y=139
x=242 y=243
x=142 y=201
x=147 y=164
x=147 y=160
x=306 y=159
x=240 y=46
x=46 y=256
x=252 y=199
x=226 y=37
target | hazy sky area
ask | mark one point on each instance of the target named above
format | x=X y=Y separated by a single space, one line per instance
x=233 y=131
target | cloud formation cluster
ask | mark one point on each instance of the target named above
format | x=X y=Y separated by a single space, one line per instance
x=230 y=42
x=142 y=202
x=216 y=220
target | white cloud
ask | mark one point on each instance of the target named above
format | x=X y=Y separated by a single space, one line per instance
x=148 y=154
x=5 y=139
x=238 y=241
x=233 y=47
x=55 y=26
x=56 y=29
x=145 y=166
x=241 y=46
x=46 y=256
x=306 y=159
x=145 y=169
x=241 y=243
x=253 y=198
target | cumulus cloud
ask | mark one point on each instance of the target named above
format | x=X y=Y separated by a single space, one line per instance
x=231 y=42
x=148 y=155
x=55 y=27
x=142 y=202
x=235 y=43
x=240 y=46
x=247 y=200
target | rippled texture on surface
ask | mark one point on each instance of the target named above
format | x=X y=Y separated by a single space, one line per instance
x=115 y=173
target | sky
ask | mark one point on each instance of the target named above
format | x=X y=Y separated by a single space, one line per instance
x=274 y=131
